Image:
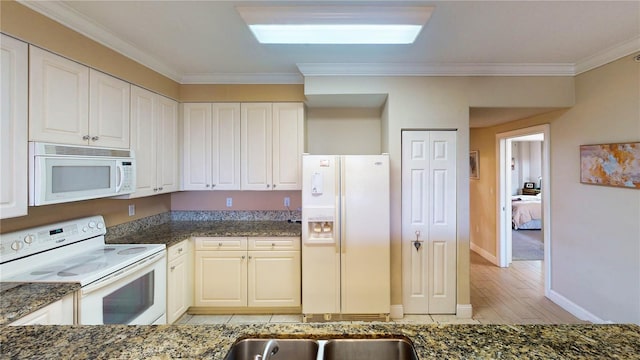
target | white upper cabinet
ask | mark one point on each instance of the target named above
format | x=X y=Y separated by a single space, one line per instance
x=272 y=146
x=167 y=145
x=72 y=104
x=58 y=99
x=154 y=140
x=256 y=146
x=288 y=145
x=211 y=146
x=109 y=100
x=13 y=127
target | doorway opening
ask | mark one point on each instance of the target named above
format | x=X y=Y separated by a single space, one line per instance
x=523 y=196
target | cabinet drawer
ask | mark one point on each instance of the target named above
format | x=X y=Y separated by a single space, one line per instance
x=178 y=249
x=221 y=243
x=274 y=243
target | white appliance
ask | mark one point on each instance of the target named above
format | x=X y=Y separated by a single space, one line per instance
x=345 y=235
x=120 y=284
x=63 y=173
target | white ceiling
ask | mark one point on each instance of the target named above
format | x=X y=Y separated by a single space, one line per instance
x=207 y=41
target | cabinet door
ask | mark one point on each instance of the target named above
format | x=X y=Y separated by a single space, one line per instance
x=109 y=100
x=274 y=278
x=167 y=145
x=197 y=150
x=256 y=146
x=288 y=145
x=143 y=139
x=58 y=99
x=220 y=278
x=177 y=288
x=225 y=138
x=13 y=128
x=60 y=312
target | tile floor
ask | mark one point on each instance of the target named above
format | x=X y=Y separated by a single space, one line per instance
x=275 y=318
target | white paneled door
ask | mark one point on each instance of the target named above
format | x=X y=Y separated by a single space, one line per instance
x=429 y=222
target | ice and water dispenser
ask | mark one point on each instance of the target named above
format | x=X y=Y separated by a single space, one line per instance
x=320 y=229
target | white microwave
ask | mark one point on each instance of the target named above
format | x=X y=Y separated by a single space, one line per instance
x=63 y=173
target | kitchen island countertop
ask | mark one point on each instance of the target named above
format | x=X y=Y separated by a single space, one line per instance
x=214 y=341
x=20 y=299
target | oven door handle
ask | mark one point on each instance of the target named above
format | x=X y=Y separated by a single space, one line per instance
x=122 y=273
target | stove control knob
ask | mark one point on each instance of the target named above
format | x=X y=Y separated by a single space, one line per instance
x=92 y=224
x=100 y=225
x=85 y=229
x=16 y=245
x=29 y=239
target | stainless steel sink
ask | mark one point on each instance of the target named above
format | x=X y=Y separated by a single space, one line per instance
x=291 y=349
x=326 y=349
x=369 y=349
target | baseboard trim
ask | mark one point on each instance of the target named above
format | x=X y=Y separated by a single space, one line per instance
x=396 y=311
x=484 y=253
x=464 y=311
x=575 y=309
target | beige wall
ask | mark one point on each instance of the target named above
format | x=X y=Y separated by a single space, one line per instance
x=595 y=230
x=340 y=131
x=440 y=103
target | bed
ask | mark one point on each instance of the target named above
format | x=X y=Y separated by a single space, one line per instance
x=526 y=212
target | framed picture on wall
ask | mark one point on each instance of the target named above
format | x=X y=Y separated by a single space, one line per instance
x=474 y=165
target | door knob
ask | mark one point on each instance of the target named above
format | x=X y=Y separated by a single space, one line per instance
x=417 y=243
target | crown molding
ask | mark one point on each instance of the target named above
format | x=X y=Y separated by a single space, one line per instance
x=608 y=55
x=243 y=78
x=459 y=69
x=70 y=18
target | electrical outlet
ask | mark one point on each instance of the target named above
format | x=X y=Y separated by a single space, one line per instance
x=287 y=201
x=229 y=202
x=132 y=209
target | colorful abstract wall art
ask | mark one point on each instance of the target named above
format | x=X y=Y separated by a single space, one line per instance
x=611 y=164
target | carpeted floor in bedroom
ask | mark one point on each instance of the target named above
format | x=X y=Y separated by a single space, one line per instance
x=527 y=245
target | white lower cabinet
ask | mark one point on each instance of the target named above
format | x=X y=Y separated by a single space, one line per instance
x=247 y=272
x=179 y=280
x=60 y=312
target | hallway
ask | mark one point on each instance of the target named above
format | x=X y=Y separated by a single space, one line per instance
x=513 y=295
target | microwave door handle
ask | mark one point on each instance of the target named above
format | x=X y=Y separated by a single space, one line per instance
x=119 y=176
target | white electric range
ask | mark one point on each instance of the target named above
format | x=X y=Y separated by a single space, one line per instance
x=120 y=283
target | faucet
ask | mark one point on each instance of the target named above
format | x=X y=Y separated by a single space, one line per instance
x=270 y=349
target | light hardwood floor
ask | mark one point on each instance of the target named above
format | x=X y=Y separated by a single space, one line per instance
x=513 y=295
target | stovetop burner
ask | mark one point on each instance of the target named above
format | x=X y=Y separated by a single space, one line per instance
x=71 y=251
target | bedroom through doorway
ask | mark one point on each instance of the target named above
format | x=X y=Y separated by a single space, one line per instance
x=523 y=183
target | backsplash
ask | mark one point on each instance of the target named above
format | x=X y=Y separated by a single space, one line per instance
x=125 y=229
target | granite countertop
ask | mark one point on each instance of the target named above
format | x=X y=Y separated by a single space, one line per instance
x=430 y=341
x=20 y=299
x=171 y=233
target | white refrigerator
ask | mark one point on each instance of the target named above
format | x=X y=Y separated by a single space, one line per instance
x=345 y=234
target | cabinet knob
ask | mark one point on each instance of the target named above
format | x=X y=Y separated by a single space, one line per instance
x=207 y=185
x=249 y=257
x=213 y=185
x=268 y=186
x=86 y=137
x=94 y=138
x=155 y=189
x=243 y=257
x=219 y=244
x=273 y=244
x=160 y=188
x=173 y=267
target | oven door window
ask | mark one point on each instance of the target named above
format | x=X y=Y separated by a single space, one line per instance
x=129 y=301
